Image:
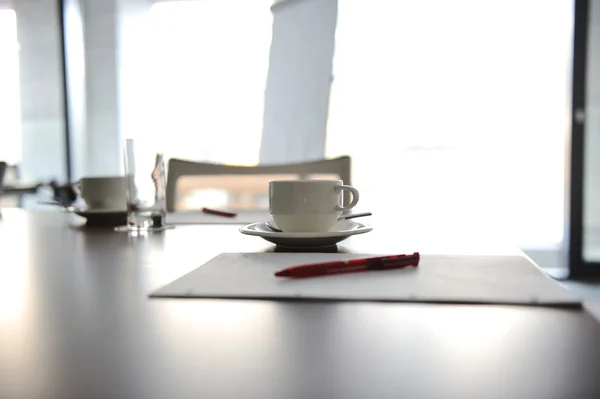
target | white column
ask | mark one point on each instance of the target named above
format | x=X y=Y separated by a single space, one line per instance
x=298 y=81
x=103 y=150
x=41 y=80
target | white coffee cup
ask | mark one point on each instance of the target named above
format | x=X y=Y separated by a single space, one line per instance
x=308 y=205
x=108 y=192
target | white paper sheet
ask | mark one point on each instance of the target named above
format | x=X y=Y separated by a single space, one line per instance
x=438 y=278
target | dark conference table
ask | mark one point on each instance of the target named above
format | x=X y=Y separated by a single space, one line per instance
x=76 y=322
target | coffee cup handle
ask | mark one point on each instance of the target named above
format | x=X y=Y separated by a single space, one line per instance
x=355 y=196
x=77 y=187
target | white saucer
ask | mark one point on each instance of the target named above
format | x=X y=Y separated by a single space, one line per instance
x=342 y=230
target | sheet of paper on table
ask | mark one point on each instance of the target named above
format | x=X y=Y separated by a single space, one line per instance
x=199 y=217
x=437 y=279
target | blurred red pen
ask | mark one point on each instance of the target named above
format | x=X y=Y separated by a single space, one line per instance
x=219 y=213
x=351 y=266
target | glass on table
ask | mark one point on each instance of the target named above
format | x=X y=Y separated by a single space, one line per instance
x=146 y=182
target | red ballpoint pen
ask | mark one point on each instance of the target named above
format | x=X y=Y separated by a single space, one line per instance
x=219 y=213
x=350 y=266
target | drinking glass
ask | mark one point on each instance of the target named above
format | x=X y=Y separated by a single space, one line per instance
x=146 y=186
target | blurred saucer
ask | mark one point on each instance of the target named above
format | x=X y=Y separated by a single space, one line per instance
x=100 y=216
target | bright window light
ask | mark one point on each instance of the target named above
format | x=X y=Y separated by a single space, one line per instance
x=10 y=96
x=205 y=67
x=464 y=106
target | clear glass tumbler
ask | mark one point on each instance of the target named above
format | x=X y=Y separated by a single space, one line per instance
x=146 y=186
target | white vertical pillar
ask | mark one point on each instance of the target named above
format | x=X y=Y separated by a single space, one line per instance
x=41 y=80
x=103 y=150
x=298 y=81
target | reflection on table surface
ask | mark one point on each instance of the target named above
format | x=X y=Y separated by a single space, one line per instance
x=76 y=322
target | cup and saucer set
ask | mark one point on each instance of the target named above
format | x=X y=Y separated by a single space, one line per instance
x=104 y=199
x=134 y=203
x=308 y=214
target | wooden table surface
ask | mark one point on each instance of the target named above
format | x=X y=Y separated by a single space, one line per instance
x=76 y=322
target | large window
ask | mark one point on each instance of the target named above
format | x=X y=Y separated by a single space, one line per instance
x=456 y=112
x=194 y=80
x=202 y=82
x=10 y=98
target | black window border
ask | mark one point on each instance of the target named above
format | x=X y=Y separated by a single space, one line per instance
x=578 y=266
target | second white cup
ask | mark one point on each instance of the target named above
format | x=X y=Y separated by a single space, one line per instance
x=103 y=192
x=306 y=206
